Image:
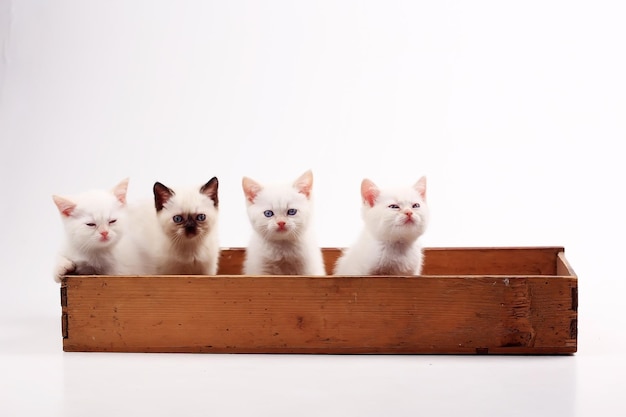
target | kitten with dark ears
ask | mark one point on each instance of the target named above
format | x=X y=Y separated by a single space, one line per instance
x=94 y=223
x=187 y=218
x=282 y=241
x=394 y=220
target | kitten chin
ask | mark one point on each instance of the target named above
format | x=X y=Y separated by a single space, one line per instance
x=394 y=220
x=282 y=242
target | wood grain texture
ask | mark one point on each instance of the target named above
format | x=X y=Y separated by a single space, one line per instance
x=527 y=311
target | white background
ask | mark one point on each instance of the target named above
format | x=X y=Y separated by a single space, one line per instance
x=514 y=110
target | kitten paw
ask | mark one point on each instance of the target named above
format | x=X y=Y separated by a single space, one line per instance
x=64 y=267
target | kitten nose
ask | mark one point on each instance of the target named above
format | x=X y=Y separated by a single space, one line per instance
x=409 y=213
x=104 y=233
x=281 y=224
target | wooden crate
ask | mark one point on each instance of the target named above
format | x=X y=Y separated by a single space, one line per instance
x=468 y=301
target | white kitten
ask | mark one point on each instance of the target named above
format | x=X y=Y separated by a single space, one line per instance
x=187 y=219
x=394 y=220
x=94 y=225
x=283 y=242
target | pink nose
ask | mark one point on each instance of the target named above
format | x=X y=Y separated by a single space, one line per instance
x=281 y=225
x=409 y=213
x=104 y=233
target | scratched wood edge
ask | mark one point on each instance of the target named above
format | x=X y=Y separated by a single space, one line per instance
x=567 y=280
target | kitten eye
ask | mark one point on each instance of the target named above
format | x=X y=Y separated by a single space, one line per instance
x=291 y=212
x=416 y=205
x=178 y=218
x=268 y=213
x=201 y=217
x=112 y=221
x=393 y=206
x=91 y=224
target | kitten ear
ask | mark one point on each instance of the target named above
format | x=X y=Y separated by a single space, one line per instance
x=65 y=206
x=369 y=192
x=304 y=184
x=210 y=190
x=250 y=188
x=119 y=191
x=420 y=187
x=162 y=195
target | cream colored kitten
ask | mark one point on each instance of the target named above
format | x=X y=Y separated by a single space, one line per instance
x=388 y=245
x=188 y=219
x=282 y=242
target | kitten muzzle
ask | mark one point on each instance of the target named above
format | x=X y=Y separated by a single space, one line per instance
x=191 y=227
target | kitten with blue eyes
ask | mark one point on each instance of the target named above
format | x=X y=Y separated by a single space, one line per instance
x=187 y=219
x=94 y=223
x=394 y=219
x=282 y=242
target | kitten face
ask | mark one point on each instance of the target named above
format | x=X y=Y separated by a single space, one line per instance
x=279 y=212
x=395 y=214
x=94 y=220
x=187 y=214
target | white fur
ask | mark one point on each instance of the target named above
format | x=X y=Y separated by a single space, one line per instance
x=144 y=244
x=288 y=250
x=158 y=246
x=388 y=245
x=94 y=223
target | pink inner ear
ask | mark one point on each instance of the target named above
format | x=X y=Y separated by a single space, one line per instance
x=420 y=186
x=65 y=206
x=305 y=189
x=250 y=188
x=120 y=191
x=369 y=192
x=304 y=184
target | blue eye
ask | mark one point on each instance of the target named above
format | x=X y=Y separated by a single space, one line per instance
x=268 y=213
x=201 y=217
x=393 y=206
x=178 y=218
x=416 y=205
x=291 y=212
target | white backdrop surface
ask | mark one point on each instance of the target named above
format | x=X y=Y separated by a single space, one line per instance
x=514 y=111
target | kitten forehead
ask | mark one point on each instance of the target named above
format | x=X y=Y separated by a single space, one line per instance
x=400 y=194
x=188 y=200
x=98 y=206
x=253 y=190
x=415 y=192
x=279 y=196
x=95 y=200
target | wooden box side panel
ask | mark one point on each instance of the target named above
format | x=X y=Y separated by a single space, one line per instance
x=331 y=315
x=444 y=261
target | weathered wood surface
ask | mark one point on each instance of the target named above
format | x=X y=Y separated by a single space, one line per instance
x=511 y=302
